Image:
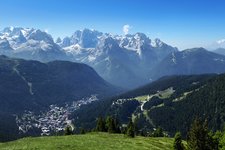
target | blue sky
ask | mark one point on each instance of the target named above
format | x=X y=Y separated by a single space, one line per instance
x=182 y=23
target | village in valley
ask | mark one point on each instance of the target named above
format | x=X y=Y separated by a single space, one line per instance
x=52 y=121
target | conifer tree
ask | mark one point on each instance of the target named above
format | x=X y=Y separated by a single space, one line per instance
x=110 y=124
x=199 y=138
x=82 y=131
x=100 y=127
x=117 y=126
x=68 y=131
x=130 y=129
x=196 y=136
x=178 y=145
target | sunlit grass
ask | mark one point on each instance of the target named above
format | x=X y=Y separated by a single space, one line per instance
x=91 y=141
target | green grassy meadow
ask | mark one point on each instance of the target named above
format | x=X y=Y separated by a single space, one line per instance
x=90 y=141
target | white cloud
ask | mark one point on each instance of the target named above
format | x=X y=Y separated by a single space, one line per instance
x=216 y=44
x=126 y=29
x=221 y=41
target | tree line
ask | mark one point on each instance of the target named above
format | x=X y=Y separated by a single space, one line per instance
x=111 y=124
x=199 y=137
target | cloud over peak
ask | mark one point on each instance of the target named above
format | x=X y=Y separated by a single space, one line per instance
x=126 y=29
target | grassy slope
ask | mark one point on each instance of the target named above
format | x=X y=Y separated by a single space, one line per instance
x=91 y=141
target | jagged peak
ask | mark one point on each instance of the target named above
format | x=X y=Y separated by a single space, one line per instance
x=140 y=35
x=58 y=40
x=16 y=30
x=40 y=36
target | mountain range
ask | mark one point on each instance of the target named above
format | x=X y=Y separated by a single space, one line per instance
x=127 y=61
x=119 y=59
x=189 y=62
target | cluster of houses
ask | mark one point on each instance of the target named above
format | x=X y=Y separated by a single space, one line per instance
x=52 y=121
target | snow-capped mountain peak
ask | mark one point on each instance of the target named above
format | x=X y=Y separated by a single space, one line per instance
x=135 y=42
x=31 y=43
x=17 y=36
x=39 y=35
x=16 y=31
x=157 y=43
x=86 y=38
x=108 y=43
x=140 y=36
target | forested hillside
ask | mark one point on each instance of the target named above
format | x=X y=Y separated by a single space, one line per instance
x=171 y=103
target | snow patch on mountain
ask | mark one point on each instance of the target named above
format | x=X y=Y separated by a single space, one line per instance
x=174 y=58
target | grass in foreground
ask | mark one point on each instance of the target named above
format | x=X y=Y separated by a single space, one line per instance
x=90 y=141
